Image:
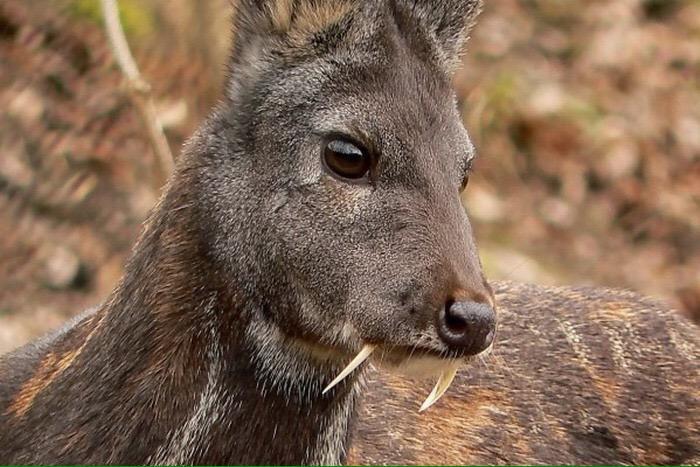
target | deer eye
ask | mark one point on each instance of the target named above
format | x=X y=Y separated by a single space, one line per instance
x=346 y=159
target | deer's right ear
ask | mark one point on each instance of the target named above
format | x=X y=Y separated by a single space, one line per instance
x=286 y=22
x=284 y=27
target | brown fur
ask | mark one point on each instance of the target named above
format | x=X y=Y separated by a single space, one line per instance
x=52 y=365
x=547 y=396
x=297 y=20
x=307 y=16
x=24 y=400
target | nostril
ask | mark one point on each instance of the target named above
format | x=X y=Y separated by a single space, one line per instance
x=454 y=320
x=466 y=326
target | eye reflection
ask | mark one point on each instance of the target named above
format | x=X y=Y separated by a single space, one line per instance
x=346 y=159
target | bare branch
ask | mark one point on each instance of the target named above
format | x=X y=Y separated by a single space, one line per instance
x=139 y=89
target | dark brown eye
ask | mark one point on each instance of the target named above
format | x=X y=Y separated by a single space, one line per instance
x=346 y=160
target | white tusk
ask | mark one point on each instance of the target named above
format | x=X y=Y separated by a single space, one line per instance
x=357 y=361
x=441 y=386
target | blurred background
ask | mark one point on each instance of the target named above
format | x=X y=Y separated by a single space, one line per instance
x=586 y=116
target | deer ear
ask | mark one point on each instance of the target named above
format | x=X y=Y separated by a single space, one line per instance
x=260 y=20
x=446 y=22
x=265 y=30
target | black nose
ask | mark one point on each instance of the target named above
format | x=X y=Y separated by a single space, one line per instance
x=467 y=327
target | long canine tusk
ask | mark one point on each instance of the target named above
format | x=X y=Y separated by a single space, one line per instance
x=441 y=386
x=357 y=361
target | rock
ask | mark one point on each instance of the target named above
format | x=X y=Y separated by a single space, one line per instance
x=557 y=212
x=483 y=205
x=27 y=106
x=63 y=269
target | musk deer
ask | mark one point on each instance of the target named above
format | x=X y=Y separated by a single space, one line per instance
x=315 y=220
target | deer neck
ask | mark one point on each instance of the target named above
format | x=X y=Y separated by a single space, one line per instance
x=220 y=383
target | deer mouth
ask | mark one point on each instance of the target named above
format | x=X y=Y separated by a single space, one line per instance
x=413 y=361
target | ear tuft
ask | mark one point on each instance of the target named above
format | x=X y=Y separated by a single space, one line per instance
x=293 y=18
x=447 y=22
x=280 y=14
x=309 y=16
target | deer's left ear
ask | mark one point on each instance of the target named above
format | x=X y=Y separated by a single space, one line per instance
x=446 y=23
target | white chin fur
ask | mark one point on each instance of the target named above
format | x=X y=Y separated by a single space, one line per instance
x=420 y=367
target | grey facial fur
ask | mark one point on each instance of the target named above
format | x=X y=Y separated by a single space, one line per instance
x=382 y=256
